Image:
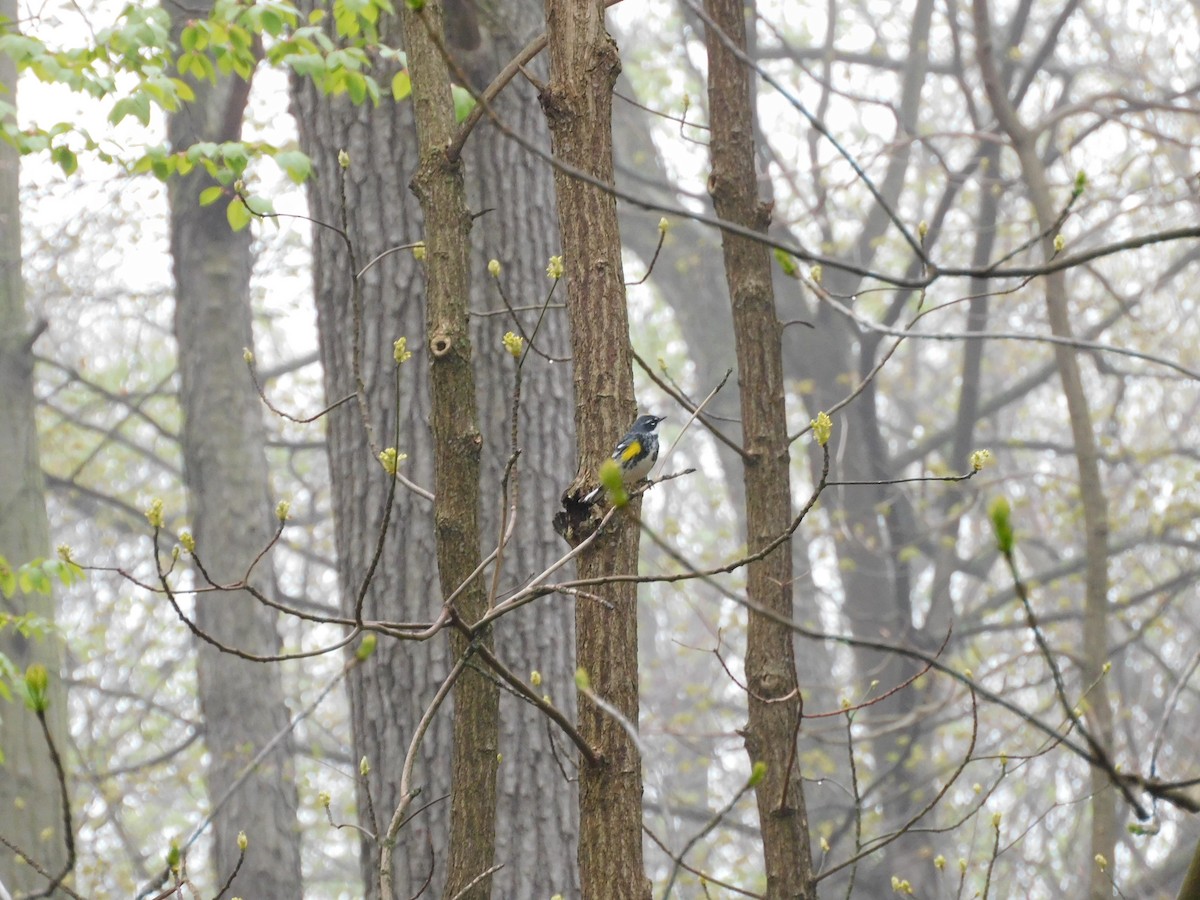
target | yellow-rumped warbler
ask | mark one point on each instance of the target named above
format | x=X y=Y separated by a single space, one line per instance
x=635 y=454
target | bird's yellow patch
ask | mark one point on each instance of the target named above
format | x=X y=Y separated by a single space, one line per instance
x=632 y=451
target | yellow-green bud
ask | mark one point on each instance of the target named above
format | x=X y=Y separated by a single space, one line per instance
x=64 y=552
x=494 y=268
x=996 y=819
x=822 y=427
x=757 y=773
x=419 y=250
x=364 y=767
x=1101 y=861
x=582 y=681
x=188 y=540
x=554 y=268
x=922 y=229
x=154 y=513
x=247 y=355
x=324 y=799
x=37 y=680
x=979 y=459
x=664 y=225
x=1001 y=515
x=824 y=844
x=366 y=647
x=535 y=678
x=283 y=509
x=514 y=344
x=939 y=862
x=343 y=159
x=400 y=351
x=389 y=459
x=612 y=482
x=242 y=841
x=815 y=274
x=1059 y=243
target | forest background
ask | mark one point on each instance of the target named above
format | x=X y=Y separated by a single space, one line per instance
x=916 y=598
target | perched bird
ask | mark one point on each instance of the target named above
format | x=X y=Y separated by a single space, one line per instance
x=635 y=454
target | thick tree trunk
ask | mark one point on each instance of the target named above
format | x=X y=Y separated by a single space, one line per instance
x=537 y=815
x=536 y=820
x=578 y=105
x=225 y=470
x=30 y=810
x=456 y=449
x=774 y=703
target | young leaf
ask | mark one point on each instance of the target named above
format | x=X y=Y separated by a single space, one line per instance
x=237 y=214
x=401 y=85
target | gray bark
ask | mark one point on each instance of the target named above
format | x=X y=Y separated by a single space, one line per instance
x=225 y=471
x=536 y=829
x=29 y=792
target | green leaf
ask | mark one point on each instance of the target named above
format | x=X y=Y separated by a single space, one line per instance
x=296 y=164
x=356 y=87
x=463 y=102
x=8 y=579
x=211 y=195
x=786 y=263
x=401 y=85
x=183 y=90
x=237 y=214
x=309 y=64
x=236 y=156
x=66 y=159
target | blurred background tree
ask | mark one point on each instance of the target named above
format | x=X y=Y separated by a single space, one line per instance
x=878 y=128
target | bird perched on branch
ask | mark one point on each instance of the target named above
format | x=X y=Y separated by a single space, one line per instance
x=634 y=455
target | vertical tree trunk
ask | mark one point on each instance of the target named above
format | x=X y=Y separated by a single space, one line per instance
x=774 y=702
x=30 y=811
x=225 y=470
x=578 y=106
x=1094 y=650
x=456 y=449
x=537 y=814
x=537 y=830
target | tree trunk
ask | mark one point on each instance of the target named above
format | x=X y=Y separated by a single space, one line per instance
x=225 y=471
x=456 y=449
x=578 y=106
x=775 y=704
x=537 y=814
x=30 y=810
x=536 y=831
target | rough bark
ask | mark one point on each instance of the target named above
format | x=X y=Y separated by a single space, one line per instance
x=1093 y=653
x=371 y=200
x=456 y=449
x=30 y=813
x=535 y=815
x=578 y=106
x=774 y=697
x=225 y=471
